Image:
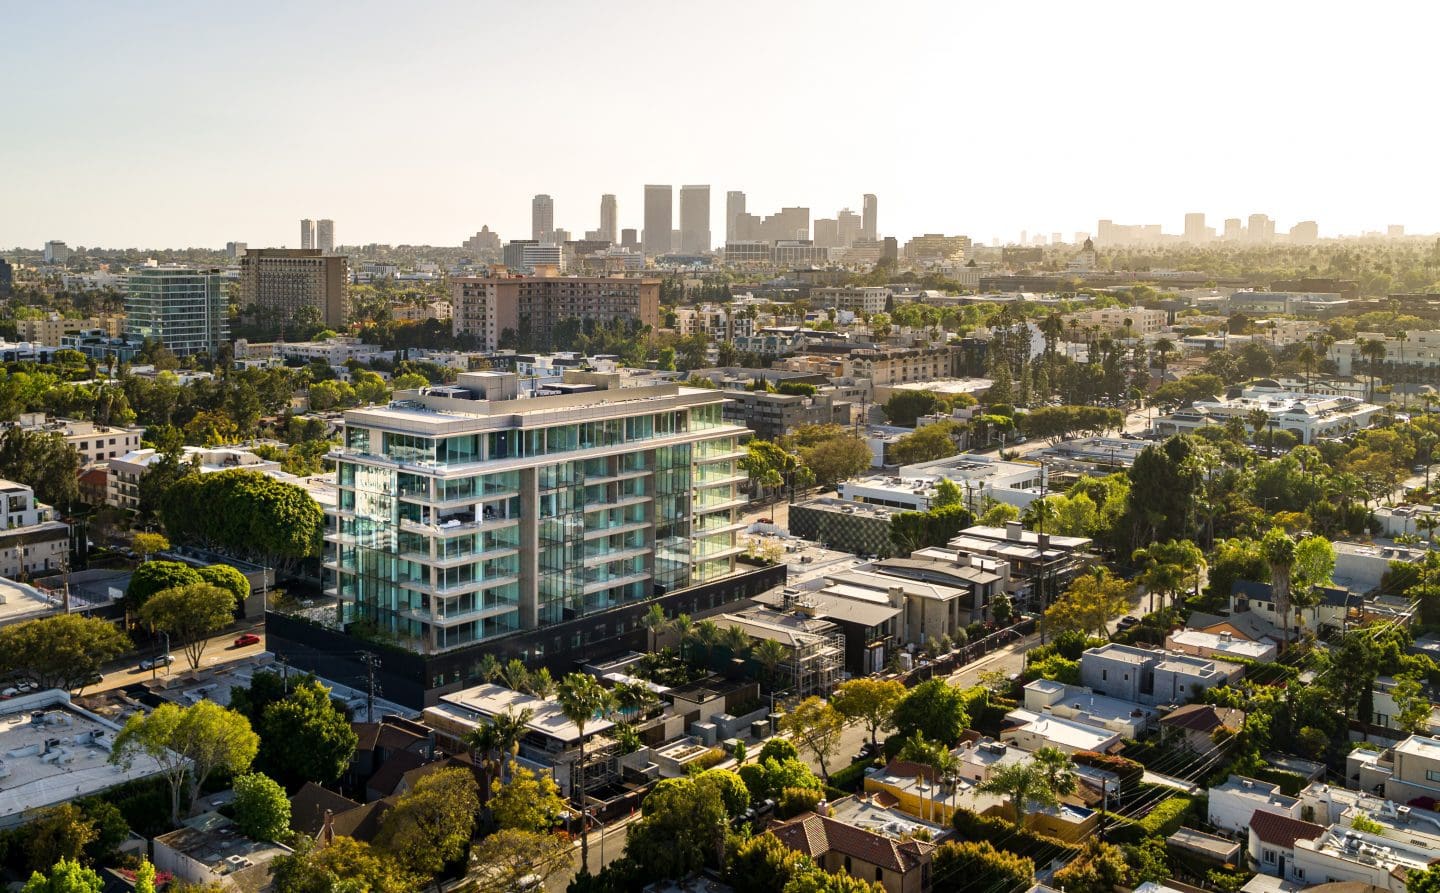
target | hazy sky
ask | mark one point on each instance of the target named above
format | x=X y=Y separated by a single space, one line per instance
x=174 y=124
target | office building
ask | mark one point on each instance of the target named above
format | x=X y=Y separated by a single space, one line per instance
x=1395 y=231
x=1195 y=230
x=865 y=299
x=1306 y=232
x=287 y=281
x=540 y=526
x=869 y=225
x=484 y=242
x=7 y=278
x=307 y=234
x=485 y=307
x=933 y=248
x=695 y=219
x=630 y=240
x=609 y=219
x=734 y=207
x=183 y=309
x=659 y=215
x=325 y=236
x=234 y=250
x=57 y=252
x=848 y=227
x=542 y=219
x=1259 y=229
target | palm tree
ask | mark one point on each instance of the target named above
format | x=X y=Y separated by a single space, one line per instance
x=541 y=684
x=1163 y=348
x=515 y=676
x=683 y=627
x=769 y=654
x=484 y=744
x=1058 y=770
x=510 y=728
x=707 y=636
x=582 y=699
x=1023 y=783
x=1373 y=350
x=1305 y=358
x=1279 y=551
x=1258 y=419
x=736 y=640
x=654 y=622
x=490 y=668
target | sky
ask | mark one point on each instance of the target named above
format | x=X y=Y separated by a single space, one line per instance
x=175 y=124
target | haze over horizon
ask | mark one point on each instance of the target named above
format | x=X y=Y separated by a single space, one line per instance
x=169 y=125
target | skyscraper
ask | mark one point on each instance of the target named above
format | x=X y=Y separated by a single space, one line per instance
x=1233 y=229
x=868 y=227
x=287 y=280
x=307 y=234
x=542 y=219
x=325 y=236
x=848 y=226
x=659 y=214
x=695 y=219
x=608 y=219
x=1195 y=227
x=1260 y=228
x=734 y=208
x=182 y=309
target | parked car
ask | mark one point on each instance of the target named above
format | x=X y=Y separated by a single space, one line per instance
x=246 y=639
x=151 y=663
x=1128 y=621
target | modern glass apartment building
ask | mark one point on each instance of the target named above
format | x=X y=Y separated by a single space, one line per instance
x=183 y=309
x=466 y=513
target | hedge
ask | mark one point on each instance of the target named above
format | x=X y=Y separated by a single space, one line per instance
x=1291 y=783
x=972 y=826
x=1167 y=816
x=1130 y=772
x=851 y=777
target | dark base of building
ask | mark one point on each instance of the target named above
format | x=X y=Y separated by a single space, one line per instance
x=418 y=680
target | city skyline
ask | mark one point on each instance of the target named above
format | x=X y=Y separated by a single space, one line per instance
x=100 y=172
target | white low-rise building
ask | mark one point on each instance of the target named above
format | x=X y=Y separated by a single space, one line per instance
x=912 y=487
x=123 y=483
x=1031 y=731
x=1232 y=804
x=1072 y=702
x=1307 y=416
x=1202 y=644
x=1342 y=854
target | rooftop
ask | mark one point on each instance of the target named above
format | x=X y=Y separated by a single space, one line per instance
x=215 y=841
x=21 y=602
x=482 y=702
x=1260 y=790
x=1224 y=643
x=1065 y=732
x=54 y=751
x=1368 y=849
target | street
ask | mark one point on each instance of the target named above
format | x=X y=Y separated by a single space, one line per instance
x=219 y=649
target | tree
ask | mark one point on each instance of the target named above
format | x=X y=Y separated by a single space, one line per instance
x=1059 y=772
x=998 y=514
x=148 y=544
x=1001 y=609
x=261 y=808
x=837 y=459
x=1099 y=868
x=56 y=834
x=1279 y=551
x=1091 y=602
x=934 y=441
x=188 y=744
x=681 y=828
x=190 y=614
x=343 y=865
x=1423 y=880
x=818 y=881
x=246 y=513
x=1023 y=783
x=527 y=802
x=65 y=876
x=654 y=622
x=947 y=493
x=303 y=737
x=154 y=576
x=870 y=702
x=763 y=864
x=409 y=381
x=62 y=651
x=905 y=406
x=511 y=860
x=227 y=578
x=1412 y=708
x=145 y=877
x=582 y=699
x=44 y=461
x=933 y=708
x=816 y=726
x=431 y=824
x=731 y=788
x=960 y=865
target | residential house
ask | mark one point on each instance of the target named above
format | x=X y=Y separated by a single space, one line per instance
x=1195 y=726
x=1272 y=843
x=209 y=849
x=1232 y=804
x=1031 y=731
x=1152 y=678
x=875 y=851
x=1331 y=611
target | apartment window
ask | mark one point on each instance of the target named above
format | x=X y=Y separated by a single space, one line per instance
x=1269 y=857
x=1104 y=675
x=1432 y=775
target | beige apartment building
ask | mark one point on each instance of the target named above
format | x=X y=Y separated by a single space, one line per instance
x=486 y=307
x=897 y=366
x=1114 y=320
x=287 y=279
x=50 y=329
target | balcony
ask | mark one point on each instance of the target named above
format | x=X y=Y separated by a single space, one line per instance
x=616 y=555
x=599 y=530
x=609 y=582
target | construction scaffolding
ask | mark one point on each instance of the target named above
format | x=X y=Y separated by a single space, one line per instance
x=814 y=649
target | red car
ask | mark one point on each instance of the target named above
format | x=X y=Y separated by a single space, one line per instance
x=247 y=639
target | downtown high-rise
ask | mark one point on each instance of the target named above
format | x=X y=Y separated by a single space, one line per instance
x=542 y=219
x=695 y=219
x=869 y=227
x=609 y=219
x=659 y=218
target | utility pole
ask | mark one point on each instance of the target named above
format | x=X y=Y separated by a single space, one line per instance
x=284 y=673
x=372 y=663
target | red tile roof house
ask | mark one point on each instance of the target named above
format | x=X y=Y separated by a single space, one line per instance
x=1272 y=843
x=902 y=866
